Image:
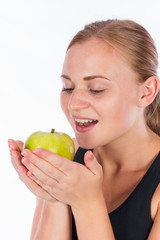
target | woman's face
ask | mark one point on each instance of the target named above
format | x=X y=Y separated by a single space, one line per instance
x=99 y=95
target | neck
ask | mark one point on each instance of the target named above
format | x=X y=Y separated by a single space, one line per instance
x=133 y=151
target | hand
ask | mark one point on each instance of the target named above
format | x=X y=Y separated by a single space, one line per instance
x=68 y=181
x=16 y=148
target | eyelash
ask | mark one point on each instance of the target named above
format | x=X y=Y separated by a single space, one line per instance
x=69 y=90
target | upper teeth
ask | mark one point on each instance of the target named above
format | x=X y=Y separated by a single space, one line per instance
x=83 y=120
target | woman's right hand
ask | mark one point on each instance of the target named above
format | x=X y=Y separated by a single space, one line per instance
x=25 y=176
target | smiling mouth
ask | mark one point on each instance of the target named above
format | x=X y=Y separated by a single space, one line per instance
x=85 y=122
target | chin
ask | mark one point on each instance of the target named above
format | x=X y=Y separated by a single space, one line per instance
x=85 y=143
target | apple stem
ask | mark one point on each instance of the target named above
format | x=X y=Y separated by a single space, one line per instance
x=52 y=130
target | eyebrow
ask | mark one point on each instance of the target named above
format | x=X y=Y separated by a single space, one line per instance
x=85 y=78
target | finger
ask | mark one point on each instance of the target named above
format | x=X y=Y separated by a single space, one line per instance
x=20 y=145
x=16 y=155
x=61 y=163
x=91 y=163
x=21 y=169
x=16 y=161
x=43 y=165
x=30 y=175
x=46 y=187
x=15 y=145
x=34 y=187
x=36 y=180
x=12 y=145
x=40 y=175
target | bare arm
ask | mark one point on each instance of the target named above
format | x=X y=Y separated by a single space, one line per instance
x=77 y=185
x=54 y=222
x=37 y=215
x=155 y=231
x=45 y=215
x=92 y=222
x=51 y=218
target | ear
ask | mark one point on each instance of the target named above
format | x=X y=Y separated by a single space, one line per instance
x=148 y=91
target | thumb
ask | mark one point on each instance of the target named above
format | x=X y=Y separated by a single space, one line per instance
x=91 y=163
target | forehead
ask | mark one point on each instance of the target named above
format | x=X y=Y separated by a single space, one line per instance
x=95 y=57
x=90 y=48
x=92 y=52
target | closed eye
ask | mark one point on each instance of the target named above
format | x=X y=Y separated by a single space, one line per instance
x=96 y=91
x=68 y=90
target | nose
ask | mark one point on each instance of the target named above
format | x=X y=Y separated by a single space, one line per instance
x=78 y=100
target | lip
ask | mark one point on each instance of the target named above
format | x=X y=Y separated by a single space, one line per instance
x=79 y=117
x=83 y=129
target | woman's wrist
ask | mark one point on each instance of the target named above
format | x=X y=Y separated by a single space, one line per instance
x=54 y=204
x=89 y=206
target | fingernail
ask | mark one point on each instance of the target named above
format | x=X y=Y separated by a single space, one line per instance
x=23 y=152
x=36 y=150
x=9 y=141
x=12 y=154
x=90 y=157
x=29 y=174
x=25 y=161
x=10 y=146
x=20 y=169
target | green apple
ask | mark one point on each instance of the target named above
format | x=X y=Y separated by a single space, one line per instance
x=57 y=142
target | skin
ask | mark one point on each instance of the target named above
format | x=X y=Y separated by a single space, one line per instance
x=119 y=121
x=108 y=176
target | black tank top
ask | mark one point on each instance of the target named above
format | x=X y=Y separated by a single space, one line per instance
x=132 y=219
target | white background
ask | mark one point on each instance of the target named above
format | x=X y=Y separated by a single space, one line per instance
x=33 y=38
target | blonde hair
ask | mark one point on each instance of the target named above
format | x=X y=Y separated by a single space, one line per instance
x=138 y=47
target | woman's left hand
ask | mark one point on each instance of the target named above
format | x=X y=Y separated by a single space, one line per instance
x=67 y=181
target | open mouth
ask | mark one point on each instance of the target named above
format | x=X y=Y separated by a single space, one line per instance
x=85 y=122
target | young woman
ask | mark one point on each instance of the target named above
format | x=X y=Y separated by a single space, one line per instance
x=111 y=98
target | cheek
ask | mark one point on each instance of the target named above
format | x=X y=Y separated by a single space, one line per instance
x=128 y=107
x=125 y=114
x=118 y=112
x=64 y=100
x=64 y=103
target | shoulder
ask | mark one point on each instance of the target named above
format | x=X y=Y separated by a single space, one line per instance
x=155 y=203
x=155 y=231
